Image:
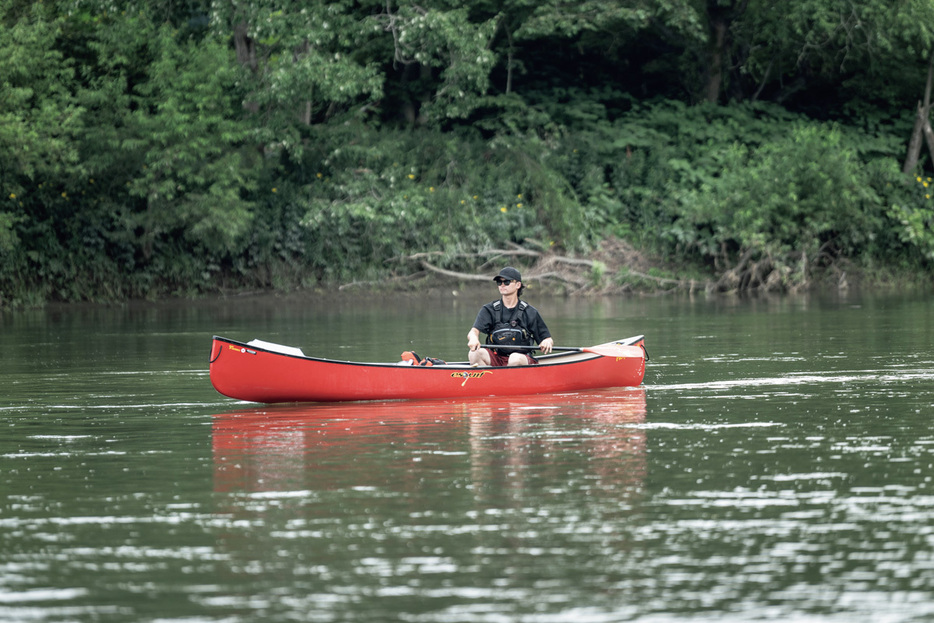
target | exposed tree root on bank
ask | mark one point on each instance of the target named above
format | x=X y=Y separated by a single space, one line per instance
x=764 y=273
x=615 y=268
x=753 y=274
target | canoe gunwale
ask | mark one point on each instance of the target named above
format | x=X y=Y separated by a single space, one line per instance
x=549 y=360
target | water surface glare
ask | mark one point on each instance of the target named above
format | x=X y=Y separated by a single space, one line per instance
x=775 y=466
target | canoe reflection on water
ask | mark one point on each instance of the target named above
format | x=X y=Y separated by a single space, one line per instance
x=400 y=445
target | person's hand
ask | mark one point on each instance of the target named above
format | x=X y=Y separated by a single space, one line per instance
x=546 y=345
x=473 y=342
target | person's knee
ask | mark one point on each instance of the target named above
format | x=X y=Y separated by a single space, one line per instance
x=479 y=356
x=518 y=359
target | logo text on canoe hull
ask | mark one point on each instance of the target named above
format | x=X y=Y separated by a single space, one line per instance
x=473 y=374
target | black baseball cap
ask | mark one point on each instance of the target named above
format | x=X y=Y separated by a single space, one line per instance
x=508 y=273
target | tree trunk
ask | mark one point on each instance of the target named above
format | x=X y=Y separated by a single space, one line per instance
x=245 y=46
x=510 y=60
x=929 y=138
x=914 y=144
x=721 y=14
x=304 y=112
x=718 y=38
x=246 y=56
x=921 y=120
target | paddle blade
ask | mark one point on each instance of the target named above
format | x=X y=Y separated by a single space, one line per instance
x=630 y=347
x=626 y=348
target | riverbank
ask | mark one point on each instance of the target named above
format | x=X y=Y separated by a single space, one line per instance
x=615 y=268
x=618 y=268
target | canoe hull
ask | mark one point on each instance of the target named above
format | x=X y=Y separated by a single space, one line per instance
x=255 y=374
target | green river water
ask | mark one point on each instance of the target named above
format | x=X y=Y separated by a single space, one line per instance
x=776 y=465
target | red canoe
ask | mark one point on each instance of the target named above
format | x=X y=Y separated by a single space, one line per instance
x=260 y=371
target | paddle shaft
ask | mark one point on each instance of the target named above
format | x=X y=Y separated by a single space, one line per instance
x=569 y=349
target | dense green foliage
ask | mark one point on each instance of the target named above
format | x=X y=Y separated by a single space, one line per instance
x=154 y=148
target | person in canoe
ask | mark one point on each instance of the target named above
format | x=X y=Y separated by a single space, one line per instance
x=508 y=322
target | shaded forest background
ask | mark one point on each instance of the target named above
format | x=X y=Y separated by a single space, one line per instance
x=182 y=147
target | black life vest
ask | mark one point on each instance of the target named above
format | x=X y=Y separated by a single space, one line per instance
x=510 y=332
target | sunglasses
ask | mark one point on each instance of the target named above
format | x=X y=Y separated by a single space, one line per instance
x=504 y=282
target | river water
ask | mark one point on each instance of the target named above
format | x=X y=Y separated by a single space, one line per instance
x=776 y=465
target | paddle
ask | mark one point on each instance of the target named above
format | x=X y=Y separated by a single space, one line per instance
x=605 y=350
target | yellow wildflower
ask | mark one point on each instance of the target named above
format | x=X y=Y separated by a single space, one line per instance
x=504 y=209
x=431 y=189
x=12 y=195
x=318 y=175
x=518 y=205
x=475 y=196
x=411 y=176
x=274 y=189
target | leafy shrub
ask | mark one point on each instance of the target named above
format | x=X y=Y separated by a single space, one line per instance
x=364 y=197
x=790 y=205
x=913 y=215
